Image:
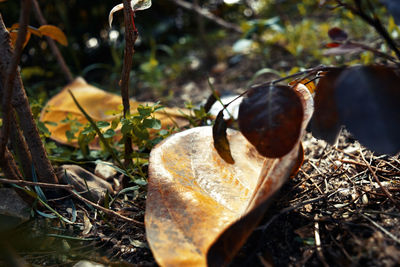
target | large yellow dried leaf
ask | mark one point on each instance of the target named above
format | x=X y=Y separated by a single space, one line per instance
x=200 y=209
x=98 y=104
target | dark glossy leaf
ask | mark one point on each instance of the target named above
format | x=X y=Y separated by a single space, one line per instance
x=368 y=101
x=221 y=142
x=270 y=117
x=393 y=6
x=211 y=100
x=337 y=34
x=325 y=122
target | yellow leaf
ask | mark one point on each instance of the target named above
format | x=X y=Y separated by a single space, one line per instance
x=307 y=82
x=200 y=209
x=98 y=104
x=14 y=34
x=54 y=33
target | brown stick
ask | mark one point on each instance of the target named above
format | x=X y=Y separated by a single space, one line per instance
x=21 y=105
x=20 y=147
x=105 y=210
x=208 y=15
x=387 y=193
x=130 y=39
x=29 y=183
x=52 y=44
x=71 y=190
x=10 y=73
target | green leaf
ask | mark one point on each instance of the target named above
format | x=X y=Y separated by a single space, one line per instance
x=102 y=124
x=42 y=128
x=88 y=130
x=144 y=111
x=152 y=123
x=142 y=134
x=126 y=128
x=115 y=123
x=109 y=133
x=70 y=135
x=140 y=181
x=163 y=132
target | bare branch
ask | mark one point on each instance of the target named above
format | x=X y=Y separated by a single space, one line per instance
x=207 y=14
x=52 y=44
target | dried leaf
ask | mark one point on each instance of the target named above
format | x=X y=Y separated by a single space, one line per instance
x=140 y=4
x=200 y=209
x=221 y=143
x=325 y=122
x=270 y=118
x=135 y=5
x=368 y=101
x=54 y=33
x=113 y=10
x=99 y=105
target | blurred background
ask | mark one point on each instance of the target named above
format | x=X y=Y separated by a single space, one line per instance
x=178 y=50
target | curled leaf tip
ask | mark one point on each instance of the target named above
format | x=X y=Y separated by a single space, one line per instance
x=113 y=10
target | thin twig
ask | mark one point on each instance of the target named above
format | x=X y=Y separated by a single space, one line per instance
x=375 y=51
x=208 y=15
x=105 y=210
x=384 y=189
x=71 y=190
x=56 y=52
x=29 y=183
x=12 y=71
x=288 y=209
x=397 y=240
x=348 y=161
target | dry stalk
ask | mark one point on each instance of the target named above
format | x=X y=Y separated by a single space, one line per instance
x=131 y=35
x=384 y=189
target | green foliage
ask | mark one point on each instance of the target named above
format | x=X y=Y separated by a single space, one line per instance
x=137 y=126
